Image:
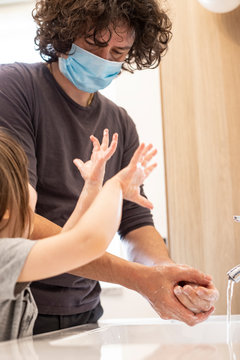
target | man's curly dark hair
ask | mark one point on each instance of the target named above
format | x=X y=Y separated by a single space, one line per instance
x=61 y=22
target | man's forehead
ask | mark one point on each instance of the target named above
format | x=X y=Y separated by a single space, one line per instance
x=119 y=33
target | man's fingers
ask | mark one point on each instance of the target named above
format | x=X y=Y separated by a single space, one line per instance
x=149 y=169
x=185 y=300
x=146 y=150
x=149 y=157
x=209 y=293
x=192 y=319
x=189 y=298
x=181 y=313
x=137 y=155
x=188 y=274
x=202 y=316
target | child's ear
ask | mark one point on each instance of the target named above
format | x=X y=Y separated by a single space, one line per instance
x=6 y=215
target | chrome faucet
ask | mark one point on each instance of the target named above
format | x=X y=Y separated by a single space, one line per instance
x=234 y=274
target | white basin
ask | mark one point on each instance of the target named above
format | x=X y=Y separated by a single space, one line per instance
x=151 y=332
x=132 y=339
x=156 y=339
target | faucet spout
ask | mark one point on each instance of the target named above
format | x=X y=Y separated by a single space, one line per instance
x=234 y=273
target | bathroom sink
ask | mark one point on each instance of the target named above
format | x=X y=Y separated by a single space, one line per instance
x=132 y=339
x=151 y=332
x=156 y=339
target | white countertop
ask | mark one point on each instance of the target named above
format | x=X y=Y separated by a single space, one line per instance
x=131 y=339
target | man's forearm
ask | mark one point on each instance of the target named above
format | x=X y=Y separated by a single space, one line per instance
x=146 y=246
x=155 y=283
x=43 y=228
x=112 y=269
x=109 y=268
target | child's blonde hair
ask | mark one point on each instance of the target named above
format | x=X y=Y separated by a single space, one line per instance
x=14 y=192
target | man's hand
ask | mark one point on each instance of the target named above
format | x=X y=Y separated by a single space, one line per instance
x=157 y=285
x=133 y=175
x=197 y=298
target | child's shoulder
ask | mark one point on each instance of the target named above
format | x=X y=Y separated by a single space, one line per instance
x=13 y=245
x=14 y=252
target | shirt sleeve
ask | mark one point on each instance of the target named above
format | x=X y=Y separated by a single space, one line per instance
x=13 y=252
x=134 y=216
x=16 y=110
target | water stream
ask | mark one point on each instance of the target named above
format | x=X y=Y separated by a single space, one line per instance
x=230 y=287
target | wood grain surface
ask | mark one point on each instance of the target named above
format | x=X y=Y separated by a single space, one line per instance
x=200 y=90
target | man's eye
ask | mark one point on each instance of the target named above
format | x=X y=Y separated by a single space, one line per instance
x=117 y=52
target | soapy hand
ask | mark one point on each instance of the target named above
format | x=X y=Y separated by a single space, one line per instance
x=93 y=170
x=157 y=285
x=133 y=176
x=197 y=298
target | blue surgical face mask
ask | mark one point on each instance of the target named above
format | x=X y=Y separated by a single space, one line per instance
x=87 y=71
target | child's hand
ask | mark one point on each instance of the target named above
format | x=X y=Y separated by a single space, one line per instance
x=93 y=170
x=135 y=173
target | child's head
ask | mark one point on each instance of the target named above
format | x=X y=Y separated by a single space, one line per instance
x=15 y=214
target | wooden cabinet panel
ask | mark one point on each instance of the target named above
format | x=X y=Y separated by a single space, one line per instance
x=200 y=90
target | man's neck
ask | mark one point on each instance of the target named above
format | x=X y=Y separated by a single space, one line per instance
x=80 y=97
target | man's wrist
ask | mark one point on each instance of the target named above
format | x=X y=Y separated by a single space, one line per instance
x=166 y=260
x=139 y=274
x=133 y=276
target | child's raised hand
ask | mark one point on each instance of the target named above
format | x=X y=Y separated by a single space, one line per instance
x=132 y=176
x=93 y=170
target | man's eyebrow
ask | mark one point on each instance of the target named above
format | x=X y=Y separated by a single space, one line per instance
x=123 y=48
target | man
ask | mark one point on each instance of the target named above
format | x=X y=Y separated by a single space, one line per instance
x=53 y=108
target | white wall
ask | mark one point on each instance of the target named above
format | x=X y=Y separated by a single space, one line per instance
x=17 y=30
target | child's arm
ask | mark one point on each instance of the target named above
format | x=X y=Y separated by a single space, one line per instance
x=91 y=235
x=92 y=172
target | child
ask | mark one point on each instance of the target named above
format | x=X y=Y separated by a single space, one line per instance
x=85 y=236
